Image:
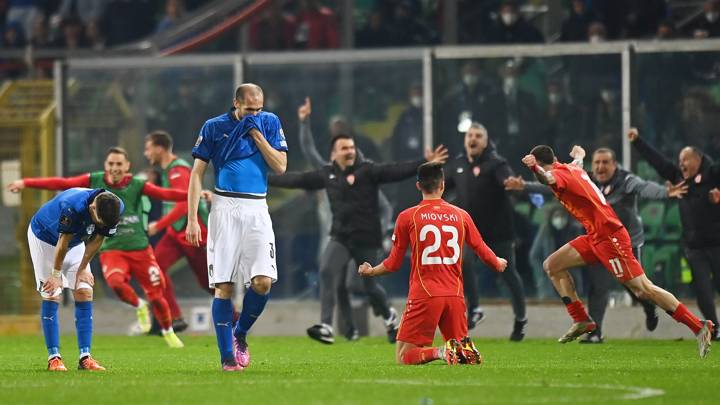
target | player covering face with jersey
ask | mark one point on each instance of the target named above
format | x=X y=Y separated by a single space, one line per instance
x=436 y=232
x=606 y=242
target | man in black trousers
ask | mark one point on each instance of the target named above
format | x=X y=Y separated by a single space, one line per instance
x=699 y=215
x=478 y=177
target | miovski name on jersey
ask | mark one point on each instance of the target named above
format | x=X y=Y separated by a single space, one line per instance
x=444 y=217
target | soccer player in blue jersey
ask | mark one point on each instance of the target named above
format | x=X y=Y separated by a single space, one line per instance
x=64 y=235
x=243 y=145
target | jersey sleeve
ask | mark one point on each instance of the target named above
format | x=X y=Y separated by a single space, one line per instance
x=275 y=135
x=58 y=183
x=203 y=148
x=400 y=240
x=476 y=242
x=179 y=178
x=69 y=219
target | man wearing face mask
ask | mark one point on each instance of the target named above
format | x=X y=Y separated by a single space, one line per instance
x=469 y=100
x=699 y=216
x=352 y=189
x=512 y=28
x=707 y=24
x=478 y=178
x=407 y=143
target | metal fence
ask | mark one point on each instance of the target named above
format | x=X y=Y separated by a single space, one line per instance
x=524 y=95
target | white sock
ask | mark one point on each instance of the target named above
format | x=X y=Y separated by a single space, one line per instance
x=141 y=303
x=167 y=331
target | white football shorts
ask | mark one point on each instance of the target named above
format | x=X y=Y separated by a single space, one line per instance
x=43 y=259
x=241 y=241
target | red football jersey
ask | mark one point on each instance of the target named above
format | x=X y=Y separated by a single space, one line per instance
x=436 y=232
x=581 y=197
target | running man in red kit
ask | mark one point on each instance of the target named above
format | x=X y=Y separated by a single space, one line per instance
x=606 y=242
x=436 y=232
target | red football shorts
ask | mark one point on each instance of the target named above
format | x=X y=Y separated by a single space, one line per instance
x=613 y=251
x=140 y=264
x=423 y=316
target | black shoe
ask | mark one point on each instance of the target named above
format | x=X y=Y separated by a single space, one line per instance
x=352 y=334
x=716 y=334
x=155 y=329
x=179 y=325
x=592 y=338
x=322 y=333
x=475 y=316
x=651 y=320
x=518 y=332
x=391 y=324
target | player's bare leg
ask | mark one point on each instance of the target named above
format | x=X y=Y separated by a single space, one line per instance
x=556 y=266
x=644 y=289
x=222 y=310
x=411 y=354
x=253 y=305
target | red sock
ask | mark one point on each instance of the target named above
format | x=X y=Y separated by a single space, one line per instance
x=161 y=310
x=171 y=301
x=126 y=293
x=683 y=314
x=577 y=311
x=420 y=355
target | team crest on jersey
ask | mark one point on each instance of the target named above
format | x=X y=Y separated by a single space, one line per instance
x=460 y=170
x=607 y=189
x=65 y=220
x=90 y=229
x=698 y=178
x=350 y=179
x=476 y=171
x=331 y=176
x=199 y=140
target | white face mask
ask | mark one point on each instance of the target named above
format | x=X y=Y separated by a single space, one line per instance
x=470 y=80
x=712 y=16
x=416 y=101
x=508 y=18
x=594 y=39
x=608 y=96
x=554 y=98
x=558 y=222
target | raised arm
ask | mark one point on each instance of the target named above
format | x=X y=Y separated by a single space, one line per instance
x=276 y=159
x=541 y=175
x=307 y=142
x=646 y=189
x=50 y=183
x=665 y=168
x=392 y=172
x=165 y=194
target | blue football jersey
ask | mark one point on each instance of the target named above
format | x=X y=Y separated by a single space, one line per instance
x=238 y=164
x=68 y=212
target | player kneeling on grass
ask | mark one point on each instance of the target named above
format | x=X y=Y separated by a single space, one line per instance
x=436 y=232
x=607 y=242
x=64 y=235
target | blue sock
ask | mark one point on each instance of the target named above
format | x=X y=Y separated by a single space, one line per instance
x=253 y=306
x=222 y=312
x=51 y=327
x=83 y=326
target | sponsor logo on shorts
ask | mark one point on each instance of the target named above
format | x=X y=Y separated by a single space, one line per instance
x=210 y=270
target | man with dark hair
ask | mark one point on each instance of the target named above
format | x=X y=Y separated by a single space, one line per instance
x=606 y=242
x=700 y=217
x=621 y=190
x=439 y=230
x=478 y=177
x=243 y=144
x=175 y=174
x=352 y=188
x=128 y=254
x=63 y=236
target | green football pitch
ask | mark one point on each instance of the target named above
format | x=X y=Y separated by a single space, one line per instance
x=293 y=370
